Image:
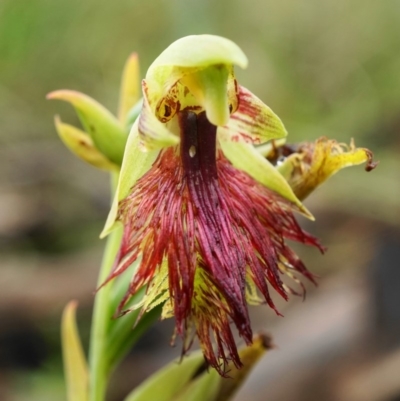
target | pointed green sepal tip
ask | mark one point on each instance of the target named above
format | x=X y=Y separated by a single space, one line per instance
x=130 y=92
x=81 y=144
x=75 y=365
x=255 y=119
x=106 y=131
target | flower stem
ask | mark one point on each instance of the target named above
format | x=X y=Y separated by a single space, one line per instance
x=102 y=314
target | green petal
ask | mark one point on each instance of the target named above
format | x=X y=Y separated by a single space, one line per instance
x=254 y=121
x=246 y=158
x=165 y=384
x=75 y=365
x=106 y=131
x=210 y=87
x=135 y=164
x=130 y=87
x=80 y=143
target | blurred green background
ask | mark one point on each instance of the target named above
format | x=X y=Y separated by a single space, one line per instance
x=325 y=67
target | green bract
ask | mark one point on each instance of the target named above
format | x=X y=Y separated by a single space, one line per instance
x=103 y=142
x=106 y=131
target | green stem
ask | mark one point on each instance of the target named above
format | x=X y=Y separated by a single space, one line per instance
x=102 y=314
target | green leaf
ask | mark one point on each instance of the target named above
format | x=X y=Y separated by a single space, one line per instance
x=80 y=143
x=105 y=130
x=75 y=365
x=165 y=384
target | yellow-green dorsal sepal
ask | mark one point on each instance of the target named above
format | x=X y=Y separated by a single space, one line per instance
x=198 y=51
x=188 y=56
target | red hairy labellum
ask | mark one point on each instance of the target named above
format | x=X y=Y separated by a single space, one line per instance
x=217 y=230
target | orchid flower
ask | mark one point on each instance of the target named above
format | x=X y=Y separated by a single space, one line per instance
x=206 y=195
x=205 y=215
